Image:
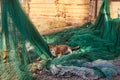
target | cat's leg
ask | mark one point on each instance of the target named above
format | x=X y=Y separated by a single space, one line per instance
x=59 y=55
x=70 y=50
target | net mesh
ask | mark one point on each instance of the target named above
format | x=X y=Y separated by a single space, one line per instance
x=16 y=31
x=100 y=40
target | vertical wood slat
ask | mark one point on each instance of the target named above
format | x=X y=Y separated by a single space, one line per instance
x=114 y=5
x=96 y=4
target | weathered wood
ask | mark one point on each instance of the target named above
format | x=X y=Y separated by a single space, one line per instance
x=96 y=4
x=74 y=1
x=114 y=5
x=37 y=5
x=42 y=1
x=61 y=1
x=70 y=10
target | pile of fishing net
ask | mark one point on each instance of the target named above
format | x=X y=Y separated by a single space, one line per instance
x=21 y=44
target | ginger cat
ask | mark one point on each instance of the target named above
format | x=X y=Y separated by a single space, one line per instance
x=59 y=50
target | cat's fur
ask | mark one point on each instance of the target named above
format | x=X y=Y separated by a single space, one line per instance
x=59 y=50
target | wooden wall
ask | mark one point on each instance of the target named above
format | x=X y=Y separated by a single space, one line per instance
x=114 y=5
x=76 y=11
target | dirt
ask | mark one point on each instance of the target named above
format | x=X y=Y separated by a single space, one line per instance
x=47 y=75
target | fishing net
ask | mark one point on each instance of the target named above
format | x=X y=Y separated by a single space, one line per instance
x=21 y=43
x=100 y=40
x=17 y=33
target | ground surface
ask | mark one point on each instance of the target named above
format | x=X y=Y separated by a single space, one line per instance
x=47 y=75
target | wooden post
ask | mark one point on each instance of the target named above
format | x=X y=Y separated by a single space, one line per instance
x=96 y=4
x=27 y=6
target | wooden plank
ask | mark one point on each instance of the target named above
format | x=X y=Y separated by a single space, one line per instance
x=60 y=6
x=42 y=1
x=46 y=16
x=74 y=10
x=75 y=7
x=60 y=9
x=74 y=1
x=55 y=14
x=43 y=10
x=73 y=20
x=61 y=1
x=69 y=10
x=81 y=21
x=77 y=14
x=77 y=11
x=42 y=5
x=114 y=8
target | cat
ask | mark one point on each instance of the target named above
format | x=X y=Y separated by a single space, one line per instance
x=61 y=49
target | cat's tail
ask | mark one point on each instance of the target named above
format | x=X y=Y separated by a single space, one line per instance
x=76 y=48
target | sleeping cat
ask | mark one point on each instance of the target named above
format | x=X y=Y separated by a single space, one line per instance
x=59 y=50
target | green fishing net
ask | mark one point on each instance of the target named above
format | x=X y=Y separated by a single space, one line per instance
x=16 y=30
x=100 y=40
